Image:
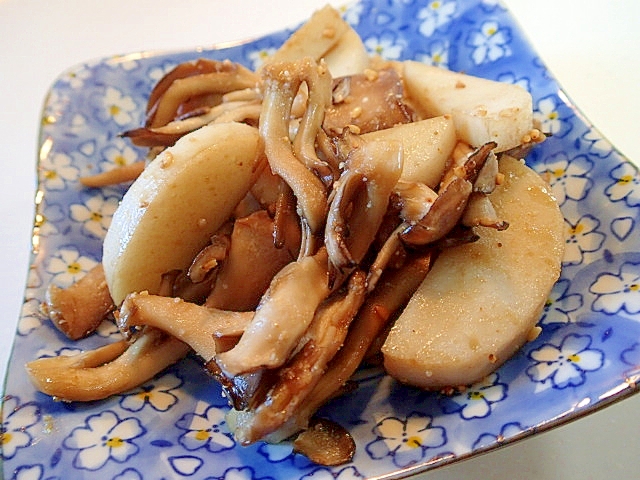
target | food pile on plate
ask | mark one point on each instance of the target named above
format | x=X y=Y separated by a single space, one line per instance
x=292 y=223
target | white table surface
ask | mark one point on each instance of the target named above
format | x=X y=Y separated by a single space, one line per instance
x=593 y=48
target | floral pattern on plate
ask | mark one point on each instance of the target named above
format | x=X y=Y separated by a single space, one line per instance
x=587 y=355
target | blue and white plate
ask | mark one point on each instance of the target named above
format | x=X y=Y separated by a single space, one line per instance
x=587 y=356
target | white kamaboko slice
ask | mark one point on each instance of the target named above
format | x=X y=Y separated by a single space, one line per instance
x=483 y=110
x=326 y=35
x=426 y=145
x=170 y=212
x=481 y=301
x=348 y=57
x=319 y=34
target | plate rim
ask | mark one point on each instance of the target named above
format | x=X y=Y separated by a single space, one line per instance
x=630 y=389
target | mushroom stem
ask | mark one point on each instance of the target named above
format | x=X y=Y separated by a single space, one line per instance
x=78 y=310
x=319 y=345
x=126 y=173
x=167 y=135
x=393 y=291
x=195 y=325
x=228 y=78
x=108 y=370
x=281 y=84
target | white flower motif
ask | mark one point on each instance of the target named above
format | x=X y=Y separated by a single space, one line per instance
x=489 y=43
x=55 y=104
x=78 y=123
x=323 y=473
x=508 y=430
x=104 y=437
x=560 y=304
x=581 y=237
x=95 y=214
x=352 y=14
x=157 y=394
x=438 y=54
x=34 y=282
x=567 y=364
x=16 y=421
x=107 y=330
x=156 y=73
x=275 y=452
x=56 y=171
x=88 y=148
x=598 y=145
x=128 y=474
x=46 y=218
x=477 y=401
x=118 y=154
x=67 y=267
x=568 y=178
x=240 y=473
x=116 y=106
x=386 y=45
x=509 y=77
x=126 y=63
x=28 y=472
x=406 y=441
x=31 y=317
x=548 y=116
x=76 y=77
x=434 y=15
x=208 y=430
x=618 y=292
x=626 y=185
x=491 y=4
x=631 y=355
x=258 y=57
x=63 y=352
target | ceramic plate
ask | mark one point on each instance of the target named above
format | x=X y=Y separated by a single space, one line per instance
x=173 y=427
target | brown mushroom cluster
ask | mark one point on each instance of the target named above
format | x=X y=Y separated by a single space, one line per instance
x=298 y=288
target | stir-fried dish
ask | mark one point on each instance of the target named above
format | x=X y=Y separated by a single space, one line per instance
x=292 y=223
